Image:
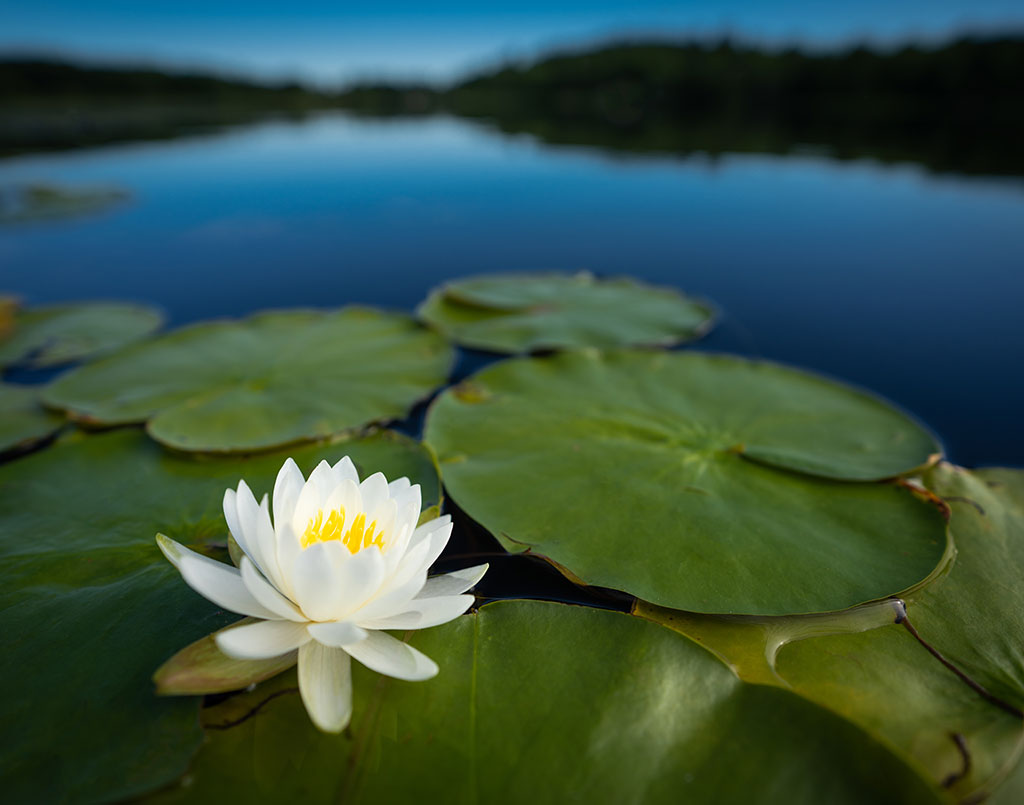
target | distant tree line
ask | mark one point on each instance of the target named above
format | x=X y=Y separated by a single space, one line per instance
x=37 y=81
x=956 y=107
x=48 y=105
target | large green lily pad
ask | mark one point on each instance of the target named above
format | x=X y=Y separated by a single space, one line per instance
x=872 y=671
x=56 y=334
x=89 y=608
x=671 y=476
x=269 y=380
x=23 y=421
x=540 y=702
x=526 y=312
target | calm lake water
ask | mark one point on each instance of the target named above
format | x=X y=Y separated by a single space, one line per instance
x=909 y=284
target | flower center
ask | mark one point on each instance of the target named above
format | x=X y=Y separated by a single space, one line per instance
x=357 y=537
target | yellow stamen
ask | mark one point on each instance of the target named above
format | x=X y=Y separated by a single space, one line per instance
x=355 y=539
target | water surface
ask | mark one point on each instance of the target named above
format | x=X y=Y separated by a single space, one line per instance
x=907 y=283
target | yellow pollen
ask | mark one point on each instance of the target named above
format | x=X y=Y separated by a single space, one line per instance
x=357 y=537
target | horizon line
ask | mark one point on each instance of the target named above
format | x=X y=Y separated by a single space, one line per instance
x=201 y=68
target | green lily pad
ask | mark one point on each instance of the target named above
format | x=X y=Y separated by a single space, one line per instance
x=670 y=476
x=57 y=334
x=526 y=312
x=1011 y=792
x=89 y=608
x=884 y=680
x=975 y=615
x=269 y=380
x=31 y=202
x=23 y=421
x=888 y=684
x=541 y=702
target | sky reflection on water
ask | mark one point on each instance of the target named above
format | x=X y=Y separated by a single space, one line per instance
x=905 y=283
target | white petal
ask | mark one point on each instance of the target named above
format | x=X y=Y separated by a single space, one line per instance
x=400 y=588
x=383 y=516
x=392 y=602
x=231 y=517
x=330 y=582
x=413 y=496
x=397 y=547
x=406 y=495
x=267 y=540
x=248 y=542
x=398 y=485
x=408 y=505
x=306 y=507
x=424 y=531
x=314 y=580
x=288 y=549
x=287 y=487
x=383 y=653
x=454 y=583
x=220 y=583
x=358 y=579
x=344 y=496
x=325 y=684
x=264 y=592
x=424 y=548
x=258 y=539
x=423 y=613
x=248 y=510
x=322 y=478
x=263 y=640
x=337 y=634
x=407 y=519
x=374 y=491
x=437 y=539
x=345 y=470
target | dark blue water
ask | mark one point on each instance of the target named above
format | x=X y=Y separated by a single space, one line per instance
x=908 y=284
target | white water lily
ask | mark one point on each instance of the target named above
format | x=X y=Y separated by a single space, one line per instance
x=341 y=561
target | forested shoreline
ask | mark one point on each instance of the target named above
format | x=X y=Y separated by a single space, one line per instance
x=955 y=107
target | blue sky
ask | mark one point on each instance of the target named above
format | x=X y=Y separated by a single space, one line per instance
x=331 y=42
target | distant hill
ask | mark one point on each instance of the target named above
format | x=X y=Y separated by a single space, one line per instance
x=51 y=105
x=956 y=107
